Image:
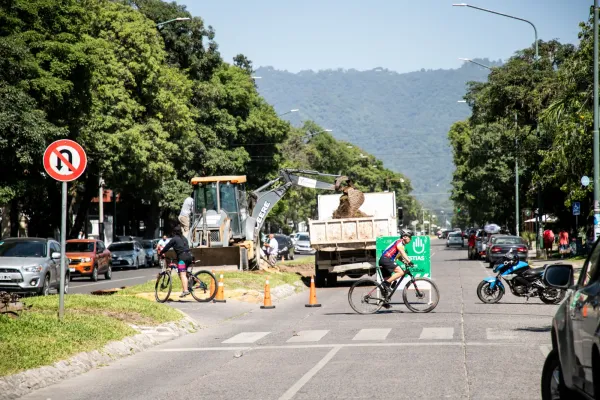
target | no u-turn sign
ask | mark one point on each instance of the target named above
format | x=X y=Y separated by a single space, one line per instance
x=65 y=160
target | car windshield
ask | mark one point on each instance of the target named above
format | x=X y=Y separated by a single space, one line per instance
x=22 y=248
x=455 y=234
x=148 y=245
x=303 y=237
x=121 y=247
x=509 y=240
x=79 y=247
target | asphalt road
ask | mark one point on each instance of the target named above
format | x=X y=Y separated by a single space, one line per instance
x=120 y=277
x=462 y=350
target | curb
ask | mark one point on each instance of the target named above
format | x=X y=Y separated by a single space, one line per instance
x=22 y=383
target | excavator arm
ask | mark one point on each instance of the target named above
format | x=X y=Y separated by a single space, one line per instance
x=266 y=196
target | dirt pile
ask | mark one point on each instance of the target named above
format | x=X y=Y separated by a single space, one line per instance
x=350 y=202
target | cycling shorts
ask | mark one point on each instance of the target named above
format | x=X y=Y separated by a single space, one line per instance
x=184 y=262
x=387 y=266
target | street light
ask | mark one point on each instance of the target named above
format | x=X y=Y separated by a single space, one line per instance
x=537 y=127
x=256 y=77
x=288 y=112
x=161 y=24
x=475 y=62
x=596 y=134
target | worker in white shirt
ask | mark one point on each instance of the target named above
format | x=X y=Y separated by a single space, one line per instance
x=272 y=249
x=185 y=214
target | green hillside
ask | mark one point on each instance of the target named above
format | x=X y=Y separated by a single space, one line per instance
x=402 y=119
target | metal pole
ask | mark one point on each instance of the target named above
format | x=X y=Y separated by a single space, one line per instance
x=101 y=210
x=516 y=178
x=596 y=134
x=63 y=258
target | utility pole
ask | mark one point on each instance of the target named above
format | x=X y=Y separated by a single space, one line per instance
x=101 y=209
x=516 y=177
x=596 y=134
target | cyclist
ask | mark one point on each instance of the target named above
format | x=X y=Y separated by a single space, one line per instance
x=389 y=269
x=179 y=243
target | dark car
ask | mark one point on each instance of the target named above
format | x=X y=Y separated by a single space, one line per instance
x=501 y=244
x=286 y=246
x=572 y=367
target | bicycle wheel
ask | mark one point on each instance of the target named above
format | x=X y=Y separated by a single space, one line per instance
x=421 y=295
x=162 y=289
x=366 y=296
x=199 y=286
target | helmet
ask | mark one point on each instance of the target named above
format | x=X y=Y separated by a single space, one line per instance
x=511 y=257
x=406 y=232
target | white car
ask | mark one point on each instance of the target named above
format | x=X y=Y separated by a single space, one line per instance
x=455 y=239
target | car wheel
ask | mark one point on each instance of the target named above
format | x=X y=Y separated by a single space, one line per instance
x=553 y=384
x=66 y=288
x=45 y=289
x=137 y=264
x=94 y=276
x=108 y=273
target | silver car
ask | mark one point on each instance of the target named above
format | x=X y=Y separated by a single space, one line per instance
x=30 y=265
x=303 y=244
x=127 y=254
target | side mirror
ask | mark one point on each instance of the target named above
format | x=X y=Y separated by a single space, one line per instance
x=559 y=276
x=55 y=255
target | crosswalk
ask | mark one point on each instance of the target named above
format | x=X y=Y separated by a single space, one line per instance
x=383 y=334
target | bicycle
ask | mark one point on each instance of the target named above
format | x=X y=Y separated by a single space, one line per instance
x=199 y=283
x=425 y=289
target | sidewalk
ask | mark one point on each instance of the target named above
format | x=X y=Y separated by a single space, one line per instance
x=540 y=262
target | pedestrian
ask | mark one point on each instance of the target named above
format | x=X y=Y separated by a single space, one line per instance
x=563 y=243
x=471 y=251
x=81 y=235
x=548 y=240
x=185 y=214
x=272 y=249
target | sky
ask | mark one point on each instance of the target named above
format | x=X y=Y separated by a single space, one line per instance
x=401 y=35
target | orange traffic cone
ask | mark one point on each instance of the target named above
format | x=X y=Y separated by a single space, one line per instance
x=312 y=299
x=267 y=302
x=220 y=295
x=212 y=287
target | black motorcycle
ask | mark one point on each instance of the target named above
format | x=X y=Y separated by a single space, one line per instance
x=522 y=280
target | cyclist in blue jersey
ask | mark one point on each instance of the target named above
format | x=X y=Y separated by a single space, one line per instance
x=389 y=269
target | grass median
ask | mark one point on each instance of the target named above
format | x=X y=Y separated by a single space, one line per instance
x=38 y=338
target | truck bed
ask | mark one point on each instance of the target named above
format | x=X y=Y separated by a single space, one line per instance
x=349 y=233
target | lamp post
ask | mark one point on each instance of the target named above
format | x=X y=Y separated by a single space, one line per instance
x=161 y=24
x=537 y=128
x=596 y=133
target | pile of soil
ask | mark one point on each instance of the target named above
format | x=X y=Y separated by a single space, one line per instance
x=350 y=203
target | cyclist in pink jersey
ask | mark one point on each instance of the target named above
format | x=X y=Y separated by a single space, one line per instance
x=389 y=269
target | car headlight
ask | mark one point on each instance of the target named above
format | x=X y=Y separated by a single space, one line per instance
x=35 y=268
x=86 y=259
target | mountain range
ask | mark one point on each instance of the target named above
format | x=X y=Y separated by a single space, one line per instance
x=402 y=119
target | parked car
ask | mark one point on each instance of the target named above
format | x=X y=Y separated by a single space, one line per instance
x=455 y=239
x=88 y=257
x=286 y=246
x=151 y=253
x=30 y=265
x=303 y=244
x=499 y=245
x=127 y=254
x=572 y=367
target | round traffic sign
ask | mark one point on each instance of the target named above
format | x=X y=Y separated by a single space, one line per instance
x=585 y=180
x=65 y=160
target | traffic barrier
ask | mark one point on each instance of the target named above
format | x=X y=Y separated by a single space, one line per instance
x=267 y=302
x=220 y=295
x=312 y=297
x=212 y=287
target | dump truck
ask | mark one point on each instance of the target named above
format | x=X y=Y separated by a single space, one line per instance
x=347 y=246
x=226 y=219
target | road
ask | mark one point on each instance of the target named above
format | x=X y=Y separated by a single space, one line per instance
x=462 y=350
x=121 y=277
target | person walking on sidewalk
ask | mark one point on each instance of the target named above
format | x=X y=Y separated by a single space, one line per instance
x=185 y=214
x=563 y=243
x=548 y=241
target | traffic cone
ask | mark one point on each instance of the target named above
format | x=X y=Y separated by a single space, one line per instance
x=212 y=287
x=312 y=298
x=220 y=295
x=267 y=302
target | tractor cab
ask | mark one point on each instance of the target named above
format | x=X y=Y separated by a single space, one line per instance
x=220 y=209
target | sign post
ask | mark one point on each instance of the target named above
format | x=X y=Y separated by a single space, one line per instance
x=65 y=161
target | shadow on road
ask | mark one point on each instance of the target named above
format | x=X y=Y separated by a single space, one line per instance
x=536 y=329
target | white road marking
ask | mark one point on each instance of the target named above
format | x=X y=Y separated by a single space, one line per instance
x=107 y=282
x=437 y=333
x=545 y=350
x=324 y=346
x=372 y=334
x=308 y=336
x=291 y=392
x=246 y=337
x=499 y=334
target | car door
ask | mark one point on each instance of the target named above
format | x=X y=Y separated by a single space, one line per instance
x=584 y=312
x=101 y=257
x=140 y=254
